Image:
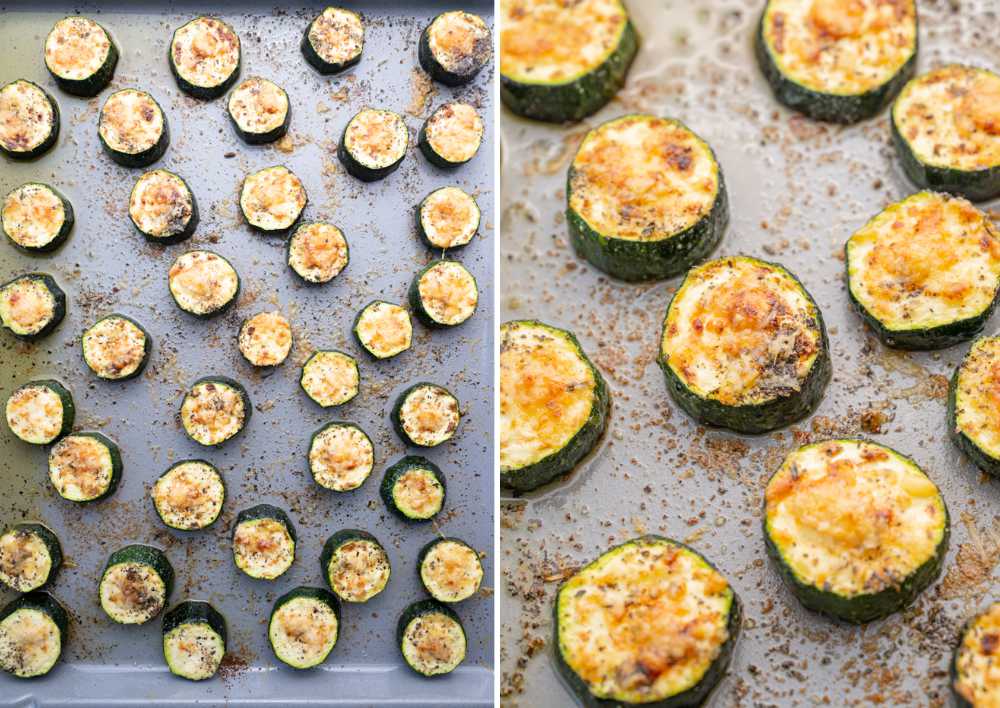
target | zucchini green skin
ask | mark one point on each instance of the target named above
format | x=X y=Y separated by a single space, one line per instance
x=979 y=457
x=147 y=348
x=251 y=138
x=49 y=141
x=397 y=422
x=58 y=296
x=322 y=595
x=147 y=156
x=42 y=602
x=428 y=547
x=417 y=304
x=337 y=540
x=180 y=236
x=204 y=93
x=423 y=233
x=116 y=466
x=435 y=158
x=65 y=397
x=95 y=83
x=397 y=470
x=68 y=220
x=319 y=63
x=266 y=511
x=238 y=387
x=52 y=545
x=433 y=67
x=221 y=505
x=149 y=556
x=974 y=185
x=357 y=169
x=416 y=610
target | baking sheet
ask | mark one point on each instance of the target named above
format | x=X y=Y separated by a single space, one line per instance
x=797 y=190
x=106 y=266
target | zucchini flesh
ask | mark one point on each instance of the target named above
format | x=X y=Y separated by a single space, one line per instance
x=30 y=557
x=189 y=495
x=116 y=348
x=162 y=207
x=203 y=283
x=330 y=378
x=133 y=128
x=973 y=677
x=194 y=640
x=136 y=584
x=259 y=110
x=452 y=135
x=205 y=57
x=341 y=456
x=413 y=489
x=454 y=47
x=448 y=218
x=32 y=634
x=85 y=467
x=31 y=120
x=334 y=40
x=36 y=218
x=355 y=565
x=318 y=252
x=31 y=305
x=431 y=638
x=444 y=294
x=263 y=542
x=40 y=412
x=214 y=410
x=272 y=199
x=426 y=415
x=972 y=413
x=373 y=144
x=80 y=56
x=450 y=570
x=265 y=339
x=304 y=627
x=383 y=329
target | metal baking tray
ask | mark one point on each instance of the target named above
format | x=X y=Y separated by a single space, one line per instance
x=798 y=189
x=106 y=266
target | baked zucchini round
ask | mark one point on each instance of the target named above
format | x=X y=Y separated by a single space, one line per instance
x=32 y=634
x=31 y=305
x=194 y=640
x=341 y=456
x=203 y=283
x=259 y=110
x=133 y=128
x=272 y=199
x=973 y=418
x=136 y=584
x=373 y=144
x=40 y=412
x=426 y=415
x=80 y=56
x=454 y=47
x=450 y=569
x=431 y=638
x=189 y=495
x=355 y=565
x=263 y=542
x=973 y=666
x=214 y=410
x=452 y=135
x=85 y=467
x=304 y=627
x=334 y=40
x=444 y=294
x=163 y=208
x=413 y=489
x=317 y=252
x=448 y=218
x=30 y=557
x=116 y=348
x=330 y=378
x=30 y=122
x=383 y=329
x=36 y=218
x=265 y=339
x=205 y=57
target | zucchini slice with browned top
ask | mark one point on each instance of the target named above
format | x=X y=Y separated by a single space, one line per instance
x=29 y=120
x=444 y=294
x=215 y=409
x=448 y=218
x=116 y=348
x=304 y=627
x=341 y=456
x=189 y=495
x=330 y=378
x=30 y=557
x=383 y=329
x=974 y=679
x=355 y=565
x=203 y=283
x=431 y=638
x=40 y=412
x=259 y=110
x=133 y=128
x=452 y=135
x=85 y=467
x=31 y=305
x=373 y=144
x=317 y=252
x=265 y=339
x=33 y=631
x=426 y=415
x=194 y=640
x=162 y=207
x=450 y=569
x=80 y=55
x=263 y=542
x=454 y=47
x=973 y=417
x=205 y=57
x=36 y=218
x=272 y=199
x=136 y=584
x=334 y=40
x=413 y=489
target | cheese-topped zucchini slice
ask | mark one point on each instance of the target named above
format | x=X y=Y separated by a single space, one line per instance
x=645 y=198
x=450 y=569
x=272 y=199
x=431 y=638
x=263 y=542
x=304 y=626
x=32 y=633
x=116 y=348
x=136 y=584
x=355 y=565
x=974 y=677
x=373 y=144
x=133 y=128
x=189 y=495
x=553 y=403
x=452 y=135
x=744 y=346
x=946 y=128
x=215 y=409
x=30 y=557
x=31 y=305
x=973 y=416
x=444 y=294
x=265 y=339
x=426 y=415
x=448 y=218
x=29 y=120
x=317 y=252
x=40 y=412
x=383 y=329
x=203 y=283
x=334 y=40
x=259 y=110
x=454 y=47
x=80 y=56
x=856 y=529
x=341 y=456
x=194 y=640
x=162 y=207
x=650 y=622
x=85 y=467
x=205 y=57
x=36 y=218
x=330 y=378
x=925 y=272
x=413 y=489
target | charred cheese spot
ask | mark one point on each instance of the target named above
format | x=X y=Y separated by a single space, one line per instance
x=258 y=105
x=33 y=215
x=193 y=650
x=115 y=347
x=454 y=132
x=205 y=52
x=266 y=339
x=202 y=282
x=459 y=41
x=131 y=122
x=330 y=378
x=132 y=593
x=448 y=293
x=76 y=48
x=318 y=252
x=27 y=117
x=358 y=570
x=81 y=468
x=418 y=493
x=189 y=495
x=376 y=138
x=213 y=412
x=303 y=631
x=337 y=35
x=30 y=643
x=434 y=643
x=161 y=205
x=449 y=217
x=429 y=415
x=384 y=329
x=35 y=414
x=272 y=198
x=977 y=396
x=263 y=548
x=341 y=457
x=25 y=561
x=451 y=571
x=977 y=661
x=27 y=306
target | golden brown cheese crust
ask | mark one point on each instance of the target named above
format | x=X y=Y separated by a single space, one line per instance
x=258 y=105
x=451 y=571
x=131 y=121
x=35 y=414
x=30 y=643
x=977 y=396
x=26 y=117
x=189 y=496
x=330 y=378
x=303 y=630
x=205 y=51
x=977 y=664
x=418 y=493
x=318 y=252
x=429 y=415
x=212 y=413
x=272 y=198
x=263 y=548
x=266 y=339
x=32 y=215
x=459 y=41
x=337 y=35
x=27 y=305
x=448 y=292
x=450 y=217
x=132 y=593
x=434 y=643
x=376 y=138
x=76 y=48
x=25 y=562
x=161 y=204
x=454 y=131
x=80 y=468
x=358 y=570
x=201 y=282
x=385 y=328
x=341 y=457
x=114 y=348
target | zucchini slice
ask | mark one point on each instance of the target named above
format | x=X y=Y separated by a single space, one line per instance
x=272 y=199
x=334 y=40
x=205 y=57
x=448 y=218
x=265 y=339
x=973 y=419
x=946 y=128
x=431 y=638
x=856 y=529
x=263 y=542
x=133 y=129
x=136 y=584
x=341 y=456
x=30 y=557
x=373 y=144
x=189 y=495
x=203 y=283
x=36 y=218
x=116 y=348
x=355 y=565
x=31 y=305
x=194 y=640
x=162 y=207
x=40 y=412
x=317 y=252
x=32 y=634
x=304 y=627
x=215 y=409
x=973 y=666
x=452 y=135
x=444 y=294
x=660 y=230
x=924 y=273
x=85 y=467
x=744 y=346
x=29 y=120
x=80 y=56
x=330 y=378
x=454 y=47
x=383 y=329
x=553 y=403
x=570 y=79
x=837 y=61
x=649 y=622
x=413 y=489
x=259 y=110
x=426 y=415
x=450 y=570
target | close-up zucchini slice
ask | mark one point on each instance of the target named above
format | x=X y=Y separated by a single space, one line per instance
x=215 y=409
x=448 y=218
x=136 y=584
x=80 y=55
x=413 y=489
x=383 y=329
x=304 y=626
x=373 y=144
x=29 y=120
x=163 y=208
x=85 y=467
x=649 y=622
x=317 y=252
x=744 y=346
x=194 y=640
x=426 y=415
x=973 y=418
x=665 y=227
x=454 y=47
x=974 y=678
x=272 y=199
x=259 y=110
x=450 y=569
x=570 y=79
x=553 y=403
x=452 y=135
x=30 y=557
x=341 y=456
x=36 y=218
x=263 y=542
x=205 y=57
x=189 y=495
x=355 y=565
x=330 y=378
x=116 y=347
x=431 y=638
x=334 y=40
x=203 y=283
x=444 y=294
x=133 y=128
x=40 y=412
x=946 y=128
x=31 y=305
x=925 y=272
x=33 y=631
x=265 y=339
x=856 y=529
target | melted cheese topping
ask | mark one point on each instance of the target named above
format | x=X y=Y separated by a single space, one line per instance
x=35 y=414
x=852 y=517
x=451 y=571
x=263 y=548
x=29 y=643
x=303 y=631
x=132 y=593
x=189 y=495
x=384 y=329
x=376 y=138
x=448 y=293
x=27 y=116
x=213 y=412
x=454 y=131
x=459 y=41
x=272 y=198
x=430 y=415
x=433 y=644
x=927 y=261
x=330 y=378
x=25 y=562
x=202 y=282
x=359 y=570
x=341 y=457
x=418 y=493
x=449 y=217
x=841 y=47
x=27 y=306
x=977 y=396
x=977 y=664
x=80 y=468
x=643 y=622
x=161 y=204
x=337 y=35
x=205 y=52
x=193 y=650
x=114 y=348
x=258 y=105
x=32 y=215
x=266 y=338
x=640 y=178
x=950 y=118
x=318 y=252
x=76 y=48
x=131 y=122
